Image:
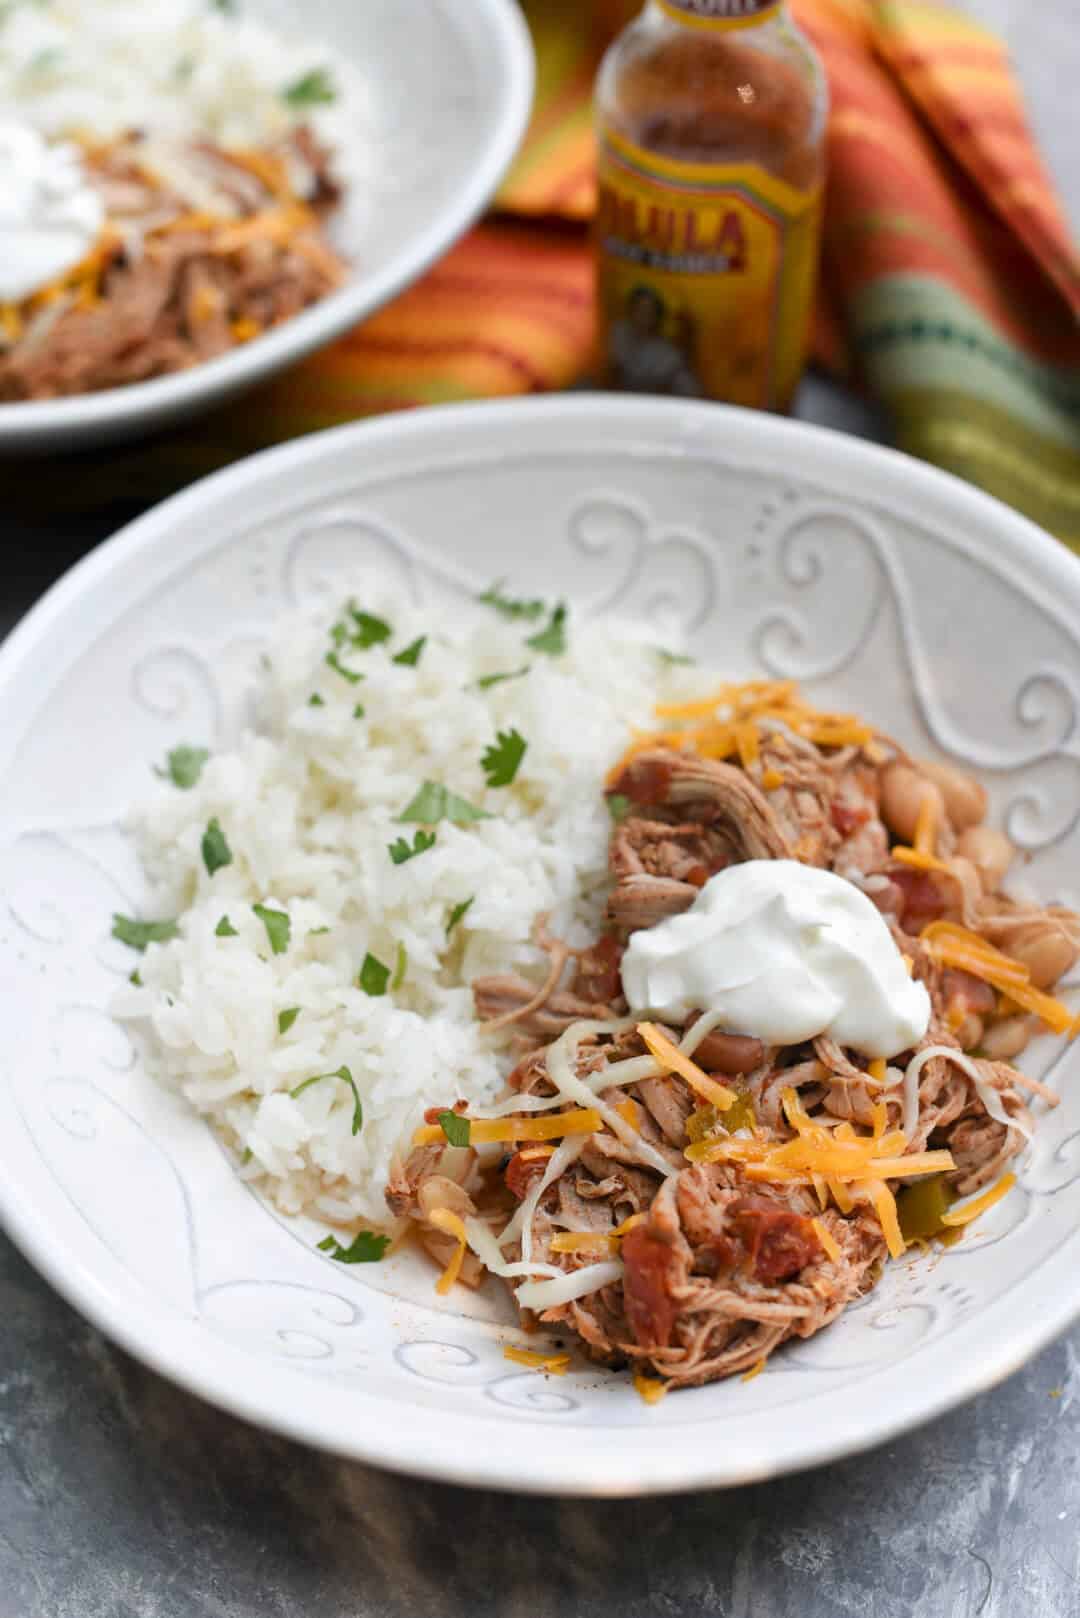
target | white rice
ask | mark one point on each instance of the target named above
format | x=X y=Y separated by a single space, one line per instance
x=176 y=69
x=308 y=807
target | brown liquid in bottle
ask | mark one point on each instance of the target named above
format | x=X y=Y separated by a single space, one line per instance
x=711 y=129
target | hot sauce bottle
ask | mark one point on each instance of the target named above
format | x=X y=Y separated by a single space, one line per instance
x=711 y=123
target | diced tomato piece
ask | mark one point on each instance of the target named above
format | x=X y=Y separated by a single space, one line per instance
x=597 y=976
x=779 y=1243
x=848 y=817
x=924 y=899
x=650 y=1273
x=644 y=780
x=969 y=993
x=522 y=1170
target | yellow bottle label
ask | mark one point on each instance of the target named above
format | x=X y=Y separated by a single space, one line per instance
x=705 y=276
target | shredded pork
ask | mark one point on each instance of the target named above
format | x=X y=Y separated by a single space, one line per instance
x=718 y=1264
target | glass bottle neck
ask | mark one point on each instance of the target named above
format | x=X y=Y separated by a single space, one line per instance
x=721 y=15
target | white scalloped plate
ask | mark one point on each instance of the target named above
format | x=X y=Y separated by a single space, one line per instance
x=451 y=86
x=782 y=548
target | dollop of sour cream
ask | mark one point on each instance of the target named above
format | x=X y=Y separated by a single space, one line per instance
x=785 y=952
x=50 y=216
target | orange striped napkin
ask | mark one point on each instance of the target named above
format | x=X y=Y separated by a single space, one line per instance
x=950 y=288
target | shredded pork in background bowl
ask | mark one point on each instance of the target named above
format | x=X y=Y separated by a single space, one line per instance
x=203 y=248
x=214 y=152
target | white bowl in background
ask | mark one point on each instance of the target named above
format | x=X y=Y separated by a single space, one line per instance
x=451 y=89
x=884 y=585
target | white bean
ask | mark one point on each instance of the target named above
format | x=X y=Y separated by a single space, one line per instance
x=965 y=798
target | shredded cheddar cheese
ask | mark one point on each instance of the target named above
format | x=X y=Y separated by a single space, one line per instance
x=196 y=219
x=729 y=722
x=450 y=1225
x=205 y=303
x=877 y=1069
x=552 y=1364
x=965 y=1212
x=828 y=1241
x=948 y=938
x=649 y=1388
x=672 y=1060
x=271 y=170
x=278 y=225
x=841 y=1196
x=885 y=1207
x=833 y=1160
x=755 y=1370
x=926 y=823
x=916 y=858
x=747 y=743
x=548 y=1126
x=594 y=1241
x=582 y=1241
x=629 y=1112
x=834 y=730
x=794 y=1112
x=953 y=945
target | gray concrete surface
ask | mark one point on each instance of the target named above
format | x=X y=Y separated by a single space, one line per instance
x=121 y=1497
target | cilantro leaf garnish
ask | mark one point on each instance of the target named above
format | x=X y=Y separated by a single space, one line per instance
x=286 y=1019
x=278 y=927
x=369 y=631
x=493 y=597
x=673 y=659
x=411 y=655
x=486 y=681
x=216 y=852
x=552 y=638
x=225 y=929
x=618 y=806
x=456 y=1128
x=366 y=1247
x=136 y=978
x=358 y=711
x=434 y=802
x=401 y=850
x=311 y=90
x=346 y=1077
x=501 y=761
x=373 y=976
x=183 y=766
x=401 y=966
x=334 y=662
x=137 y=934
x=315 y=701
x=459 y=913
